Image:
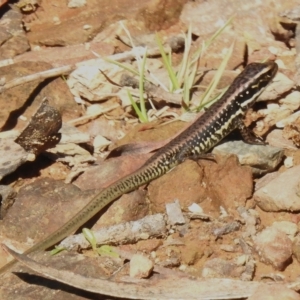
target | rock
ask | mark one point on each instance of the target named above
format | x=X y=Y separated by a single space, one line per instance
x=262 y=159
x=292 y=130
x=167 y=188
x=140 y=266
x=76 y=3
x=276 y=139
x=40 y=208
x=289 y=162
x=224 y=183
x=148 y=245
x=13 y=38
x=12 y=156
x=68 y=55
x=296 y=248
x=226 y=229
x=71 y=29
x=261 y=182
x=215 y=55
x=273 y=247
x=76 y=263
x=292 y=101
x=100 y=144
x=229 y=183
x=289 y=228
x=71 y=134
x=272 y=115
x=174 y=213
x=281 y=193
x=206 y=17
x=251 y=219
x=218 y=267
x=281 y=84
x=15 y=101
x=7 y=199
x=274 y=292
x=130 y=207
x=191 y=253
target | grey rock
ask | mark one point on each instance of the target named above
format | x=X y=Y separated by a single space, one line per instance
x=262 y=159
x=218 y=267
x=12 y=156
x=228 y=228
x=7 y=199
x=281 y=193
x=174 y=213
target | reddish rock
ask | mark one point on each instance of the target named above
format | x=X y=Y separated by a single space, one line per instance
x=228 y=183
x=148 y=245
x=183 y=183
x=274 y=247
x=41 y=208
x=14 y=101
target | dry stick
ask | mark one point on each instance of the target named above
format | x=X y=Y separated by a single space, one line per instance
x=86 y=118
x=156 y=287
x=152 y=226
x=128 y=55
x=151 y=89
x=40 y=75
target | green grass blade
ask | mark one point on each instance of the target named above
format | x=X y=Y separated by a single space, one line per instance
x=216 y=78
x=190 y=65
x=90 y=237
x=127 y=68
x=189 y=81
x=56 y=250
x=167 y=64
x=141 y=86
x=218 y=32
x=136 y=108
x=212 y=100
x=206 y=44
x=186 y=57
x=108 y=251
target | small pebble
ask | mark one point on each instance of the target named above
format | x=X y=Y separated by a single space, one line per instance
x=140 y=266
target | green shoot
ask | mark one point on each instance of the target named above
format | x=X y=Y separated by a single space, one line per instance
x=191 y=77
x=190 y=70
x=136 y=108
x=216 y=34
x=167 y=64
x=186 y=75
x=90 y=237
x=184 y=67
x=123 y=66
x=182 y=80
x=56 y=250
x=141 y=88
x=103 y=250
x=213 y=84
x=108 y=251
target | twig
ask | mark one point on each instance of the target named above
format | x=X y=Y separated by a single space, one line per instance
x=40 y=75
x=83 y=119
x=128 y=55
x=156 y=287
x=152 y=90
x=129 y=232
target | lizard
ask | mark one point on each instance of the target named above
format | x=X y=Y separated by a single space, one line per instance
x=209 y=129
